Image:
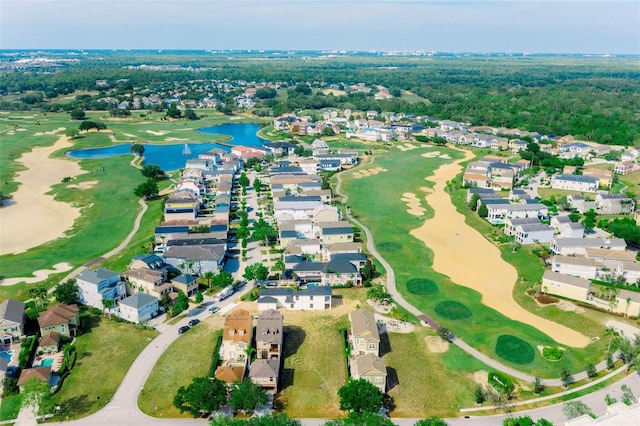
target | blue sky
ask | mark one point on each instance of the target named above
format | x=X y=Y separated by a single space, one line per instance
x=536 y=26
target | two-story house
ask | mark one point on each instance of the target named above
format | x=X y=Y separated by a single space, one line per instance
x=371 y=368
x=265 y=370
x=11 y=321
x=61 y=319
x=96 y=285
x=138 y=308
x=236 y=339
x=364 y=332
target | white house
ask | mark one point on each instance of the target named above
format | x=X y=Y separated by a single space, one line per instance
x=572 y=230
x=534 y=233
x=499 y=212
x=510 y=224
x=140 y=307
x=566 y=286
x=575 y=183
x=312 y=298
x=96 y=285
x=566 y=246
x=614 y=204
x=577 y=266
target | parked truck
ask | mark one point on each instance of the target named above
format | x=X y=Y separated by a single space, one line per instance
x=226 y=292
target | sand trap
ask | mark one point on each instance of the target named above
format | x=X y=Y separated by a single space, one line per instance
x=445 y=156
x=368 y=172
x=627 y=329
x=426 y=189
x=51 y=132
x=83 y=185
x=413 y=204
x=40 y=275
x=32 y=218
x=129 y=135
x=456 y=244
x=392 y=325
x=481 y=377
x=157 y=133
x=406 y=147
x=565 y=305
x=21 y=129
x=436 y=345
x=11 y=132
x=175 y=139
x=431 y=154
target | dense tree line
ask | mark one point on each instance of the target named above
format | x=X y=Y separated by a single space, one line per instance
x=590 y=98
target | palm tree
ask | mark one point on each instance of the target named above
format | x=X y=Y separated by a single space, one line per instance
x=208 y=276
x=107 y=304
x=611 y=332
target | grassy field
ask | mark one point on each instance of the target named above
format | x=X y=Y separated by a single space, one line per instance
x=376 y=202
x=106 y=350
x=177 y=366
x=108 y=208
x=10 y=407
x=546 y=193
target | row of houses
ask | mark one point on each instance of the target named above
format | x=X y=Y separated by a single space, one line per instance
x=493 y=172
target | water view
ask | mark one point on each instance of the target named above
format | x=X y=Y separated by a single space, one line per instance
x=173 y=156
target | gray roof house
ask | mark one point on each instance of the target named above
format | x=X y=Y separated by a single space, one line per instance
x=138 y=308
x=269 y=334
x=365 y=337
x=11 y=321
x=312 y=298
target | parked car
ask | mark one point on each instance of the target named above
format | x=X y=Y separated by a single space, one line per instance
x=194 y=322
x=239 y=284
x=214 y=309
x=184 y=329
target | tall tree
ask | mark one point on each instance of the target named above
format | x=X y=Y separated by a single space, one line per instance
x=147 y=189
x=36 y=394
x=203 y=395
x=67 y=292
x=39 y=295
x=360 y=396
x=246 y=396
x=153 y=171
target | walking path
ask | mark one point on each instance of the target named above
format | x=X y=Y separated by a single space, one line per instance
x=391 y=287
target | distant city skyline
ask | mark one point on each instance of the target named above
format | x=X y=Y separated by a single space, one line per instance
x=535 y=26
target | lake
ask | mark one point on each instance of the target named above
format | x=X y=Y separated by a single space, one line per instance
x=170 y=157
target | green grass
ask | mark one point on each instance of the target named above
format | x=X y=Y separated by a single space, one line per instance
x=177 y=366
x=10 y=407
x=106 y=350
x=376 y=202
x=515 y=350
x=422 y=286
x=452 y=310
x=546 y=193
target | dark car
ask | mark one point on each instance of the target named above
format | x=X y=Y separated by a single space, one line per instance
x=214 y=309
x=184 y=329
x=194 y=322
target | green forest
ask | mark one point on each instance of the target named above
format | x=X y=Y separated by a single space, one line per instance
x=592 y=98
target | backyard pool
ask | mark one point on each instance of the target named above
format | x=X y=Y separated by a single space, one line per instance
x=8 y=355
x=45 y=363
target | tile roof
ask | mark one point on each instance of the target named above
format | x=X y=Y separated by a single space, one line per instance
x=60 y=314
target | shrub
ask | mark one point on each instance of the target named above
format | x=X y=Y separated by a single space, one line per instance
x=346 y=351
x=28 y=346
x=552 y=354
x=501 y=382
x=216 y=356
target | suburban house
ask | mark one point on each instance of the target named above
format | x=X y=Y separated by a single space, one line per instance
x=577 y=266
x=269 y=334
x=558 y=221
x=334 y=232
x=572 y=230
x=312 y=298
x=236 y=337
x=49 y=343
x=365 y=338
x=510 y=224
x=61 y=319
x=565 y=286
x=481 y=192
x=338 y=271
x=614 y=204
x=148 y=280
x=567 y=246
x=11 y=321
x=573 y=150
x=579 y=203
x=41 y=373
x=168 y=232
x=605 y=177
x=183 y=205
x=264 y=373
x=623 y=167
x=96 y=285
x=497 y=213
x=534 y=233
x=139 y=308
x=575 y=183
x=188 y=284
x=196 y=259
x=371 y=368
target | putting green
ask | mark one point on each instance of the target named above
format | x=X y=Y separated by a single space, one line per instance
x=422 y=286
x=514 y=349
x=452 y=310
x=389 y=246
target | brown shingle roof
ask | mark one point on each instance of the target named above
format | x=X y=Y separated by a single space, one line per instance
x=229 y=374
x=57 y=315
x=238 y=327
x=41 y=373
x=50 y=339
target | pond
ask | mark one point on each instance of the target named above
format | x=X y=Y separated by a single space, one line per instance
x=172 y=156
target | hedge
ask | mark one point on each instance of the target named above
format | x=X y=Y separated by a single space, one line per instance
x=216 y=356
x=345 y=352
x=28 y=346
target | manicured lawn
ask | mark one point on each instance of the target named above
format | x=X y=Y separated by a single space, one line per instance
x=376 y=202
x=452 y=310
x=106 y=350
x=515 y=350
x=546 y=193
x=188 y=357
x=10 y=407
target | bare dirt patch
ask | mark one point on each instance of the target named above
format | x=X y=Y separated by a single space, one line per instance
x=565 y=305
x=334 y=92
x=368 y=172
x=481 y=377
x=436 y=345
x=392 y=325
x=455 y=243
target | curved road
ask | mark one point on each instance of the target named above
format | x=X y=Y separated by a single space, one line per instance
x=391 y=287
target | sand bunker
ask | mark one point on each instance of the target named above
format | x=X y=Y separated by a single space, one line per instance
x=368 y=172
x=32 y=218
x=175 y=139
x=83 y=185
x=413 y=204
x=40 y=275
x=406 y=147
x=431 y=154
x=445 y=156
x=470 y=260
x=436 y=345
x=426 y=189
x=129 y=135
x=481 y=377
x=51 y=132
x=157 y=132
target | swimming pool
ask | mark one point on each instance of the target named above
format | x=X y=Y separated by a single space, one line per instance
x=46 y=363
x=8 y=355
